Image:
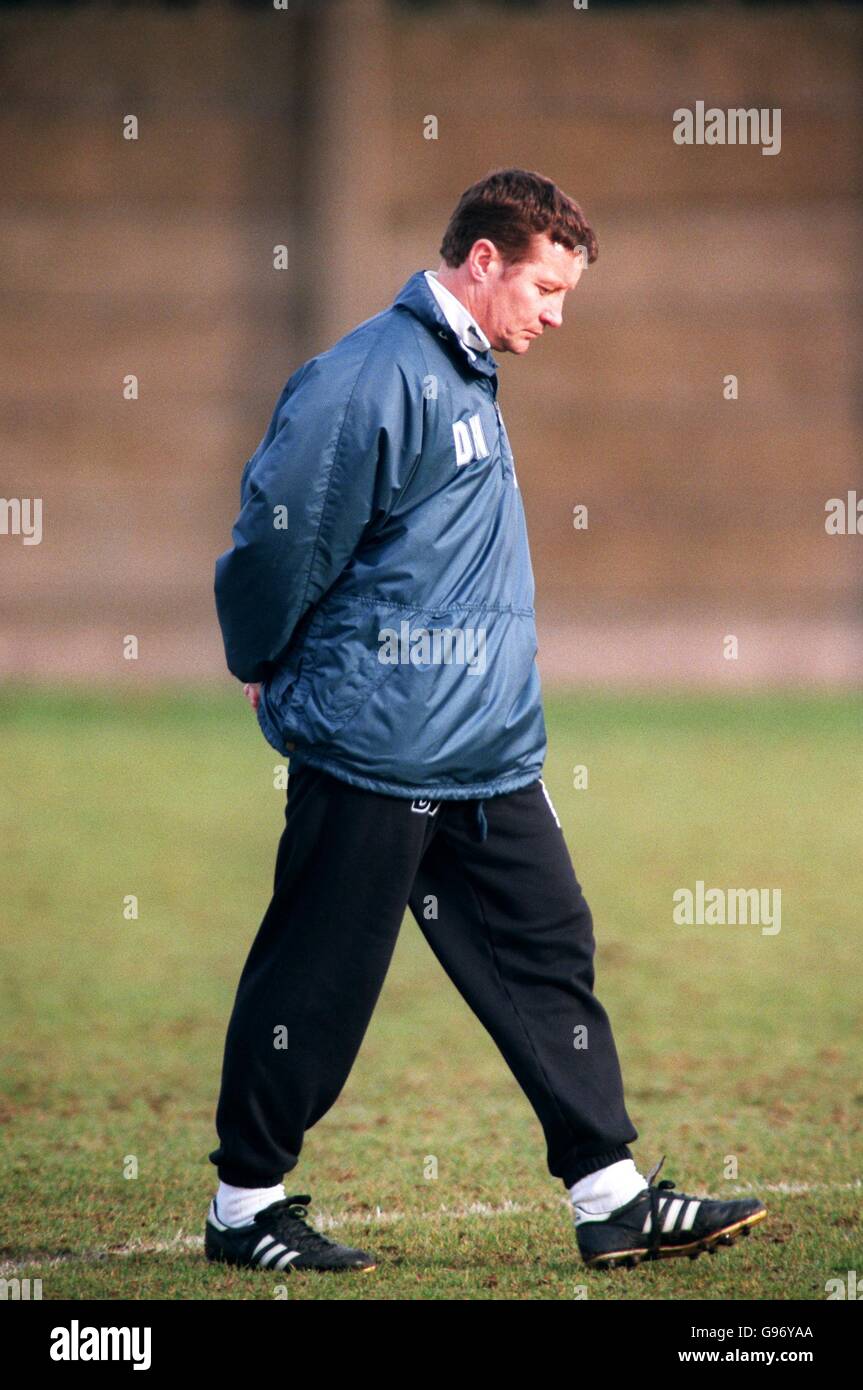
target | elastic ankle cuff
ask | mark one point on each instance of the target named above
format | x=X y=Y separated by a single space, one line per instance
x=243 y=1177
x=578 y=1168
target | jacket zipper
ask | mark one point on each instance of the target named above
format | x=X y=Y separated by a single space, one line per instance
x=501 y=437
x=492 y=387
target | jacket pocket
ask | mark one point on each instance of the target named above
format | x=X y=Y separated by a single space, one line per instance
x=279 y=692
x=348 y=656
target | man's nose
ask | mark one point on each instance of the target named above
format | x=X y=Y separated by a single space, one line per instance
x=552 y=317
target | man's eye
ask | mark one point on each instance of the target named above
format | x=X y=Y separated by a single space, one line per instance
x=543 y=290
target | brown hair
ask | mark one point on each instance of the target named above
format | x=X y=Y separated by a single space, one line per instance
x=510 y=207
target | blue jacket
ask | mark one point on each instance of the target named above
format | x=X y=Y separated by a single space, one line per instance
x=379 y=585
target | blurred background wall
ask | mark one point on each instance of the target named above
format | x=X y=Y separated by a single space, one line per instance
x=154 y=257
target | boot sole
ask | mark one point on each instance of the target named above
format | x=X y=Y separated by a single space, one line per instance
x=628 y=1259
x=220 y=1257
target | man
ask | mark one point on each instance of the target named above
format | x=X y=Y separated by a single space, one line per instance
x=378 y=605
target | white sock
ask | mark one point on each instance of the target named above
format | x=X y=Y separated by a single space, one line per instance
x=605 y=1190
x=236 y=1206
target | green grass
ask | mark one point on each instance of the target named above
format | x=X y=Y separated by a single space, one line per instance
x=732 y=1042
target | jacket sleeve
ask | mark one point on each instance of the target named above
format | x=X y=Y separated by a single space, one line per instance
x=333 y=461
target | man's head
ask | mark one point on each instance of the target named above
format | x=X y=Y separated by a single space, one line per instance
x=514 y=246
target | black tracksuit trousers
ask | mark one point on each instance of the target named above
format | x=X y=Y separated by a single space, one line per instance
x=493 y=890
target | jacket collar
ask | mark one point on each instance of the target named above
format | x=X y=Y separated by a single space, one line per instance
x=473 y=339
x=417 y=297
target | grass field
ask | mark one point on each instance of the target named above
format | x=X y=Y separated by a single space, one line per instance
x=733 y=1042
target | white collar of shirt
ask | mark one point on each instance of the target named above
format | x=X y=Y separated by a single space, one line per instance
x=469 y=333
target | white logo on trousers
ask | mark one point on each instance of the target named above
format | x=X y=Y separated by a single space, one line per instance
x=551 y=807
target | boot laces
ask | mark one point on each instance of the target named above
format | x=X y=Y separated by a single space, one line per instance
x=288 y=1218
x=653 y=1190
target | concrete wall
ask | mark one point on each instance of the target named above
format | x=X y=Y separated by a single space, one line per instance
x=154 y=257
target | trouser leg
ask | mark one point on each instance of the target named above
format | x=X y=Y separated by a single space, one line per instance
x=344 y=869
x=515 y=934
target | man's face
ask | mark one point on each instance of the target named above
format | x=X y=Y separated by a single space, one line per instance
x=518 y=302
